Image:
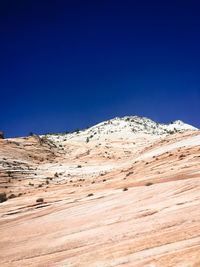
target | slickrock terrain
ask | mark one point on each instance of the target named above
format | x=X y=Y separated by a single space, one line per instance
x=125 y=192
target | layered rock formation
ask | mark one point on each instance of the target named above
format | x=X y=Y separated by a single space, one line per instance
x=121 y=198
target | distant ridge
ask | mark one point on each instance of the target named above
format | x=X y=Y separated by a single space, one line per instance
x=126 y=126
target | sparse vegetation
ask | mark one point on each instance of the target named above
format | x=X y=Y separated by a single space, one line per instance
x=12 y=196
x=56 y=174
x=79 y=166
x=171 y=132
x=87 y=140
x=90 y=195
x=125 y=189
x=3 y=197
x=148 y=184
x=1 y=135
x=40 y=200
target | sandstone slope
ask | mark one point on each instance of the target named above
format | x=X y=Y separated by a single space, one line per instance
x=121 y=198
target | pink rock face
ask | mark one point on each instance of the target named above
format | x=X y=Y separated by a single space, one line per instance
x=112 y=202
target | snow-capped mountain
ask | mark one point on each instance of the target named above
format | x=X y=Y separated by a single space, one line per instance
x=124 y=127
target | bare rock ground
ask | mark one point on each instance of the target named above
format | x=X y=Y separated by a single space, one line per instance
x=118 y=201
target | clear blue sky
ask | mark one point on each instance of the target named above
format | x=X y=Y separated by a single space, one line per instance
x=68 y=64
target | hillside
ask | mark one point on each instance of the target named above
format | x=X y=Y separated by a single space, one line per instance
x=124 y=127
x=124 y=192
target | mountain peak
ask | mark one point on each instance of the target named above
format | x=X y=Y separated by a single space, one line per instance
x=126 y=127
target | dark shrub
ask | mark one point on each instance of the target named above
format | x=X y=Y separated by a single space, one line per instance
x=148 y=184
x=40 y=200
x=3 y=197
x=129 y=173
x=1 y=135
x=12 y=196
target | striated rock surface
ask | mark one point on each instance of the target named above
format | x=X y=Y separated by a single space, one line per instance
x=121 y=198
